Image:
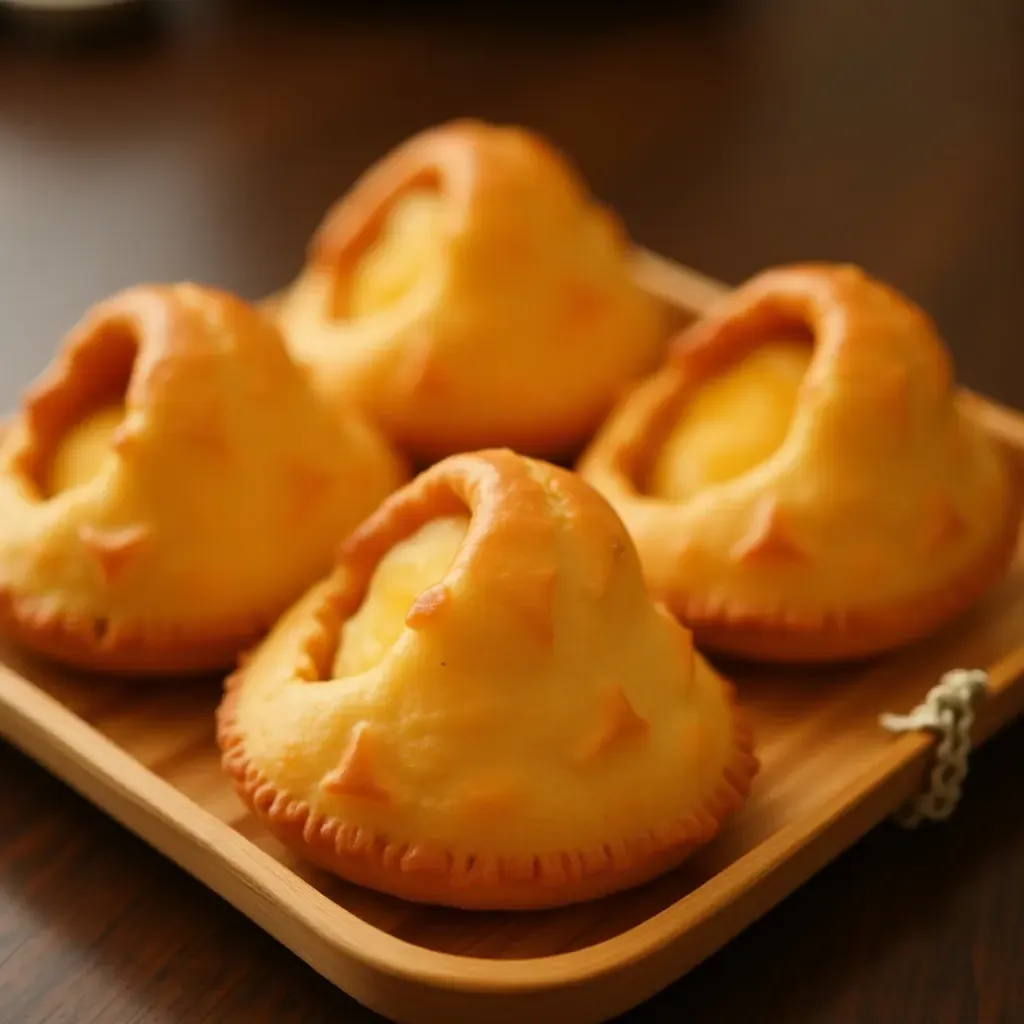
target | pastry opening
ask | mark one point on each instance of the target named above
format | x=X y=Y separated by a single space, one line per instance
x=74 y=419
x=733 y=421
x=410 y=568
x=400 y=258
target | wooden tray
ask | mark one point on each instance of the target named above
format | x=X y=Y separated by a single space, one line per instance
x=146 y=755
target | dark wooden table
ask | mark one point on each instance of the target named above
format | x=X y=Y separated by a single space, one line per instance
x=731 y=137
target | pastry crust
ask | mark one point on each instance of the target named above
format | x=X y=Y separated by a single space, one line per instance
x=218 y=500
x=541 y=733
x=528 y=325
x=885 y=513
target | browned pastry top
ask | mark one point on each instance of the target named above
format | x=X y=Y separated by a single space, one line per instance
x=534 y=730
x=881 y=510
x=171 y=484
x=503 y=309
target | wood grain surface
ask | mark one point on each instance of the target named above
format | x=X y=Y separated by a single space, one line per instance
x=207 y=144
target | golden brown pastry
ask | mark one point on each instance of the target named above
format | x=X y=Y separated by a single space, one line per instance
x=798 y=477
x=468 y=292
x=482 y=707
x=171 y=485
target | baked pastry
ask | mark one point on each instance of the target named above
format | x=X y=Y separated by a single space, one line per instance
x=468 y=292
x=171 y=485
x=798 y=477
x=482 y=707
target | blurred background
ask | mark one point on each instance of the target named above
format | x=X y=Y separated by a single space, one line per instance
x=204 y=139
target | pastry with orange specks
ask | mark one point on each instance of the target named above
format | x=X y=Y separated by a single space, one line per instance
x=799 y=477
x=468 y=292
x=171 y=485
x=482 y=707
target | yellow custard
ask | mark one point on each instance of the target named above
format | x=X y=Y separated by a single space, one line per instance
x=82 y=451
x=406 y=248
x=403 y=574
x=734 y=422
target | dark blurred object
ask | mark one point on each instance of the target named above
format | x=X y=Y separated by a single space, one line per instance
x=77 y=23
x=539 y=16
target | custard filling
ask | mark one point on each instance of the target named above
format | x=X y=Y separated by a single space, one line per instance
x=406 y=249
x=409 y=568
x=736 y=421
x=83 y=450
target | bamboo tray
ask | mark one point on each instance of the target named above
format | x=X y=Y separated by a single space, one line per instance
x=830 y=773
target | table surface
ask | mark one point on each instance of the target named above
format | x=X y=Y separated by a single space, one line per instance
x=206 y=145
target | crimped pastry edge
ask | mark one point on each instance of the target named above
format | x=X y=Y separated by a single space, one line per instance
x=425 y=873
x=778 y=634
x=122 y=647
x=845 y=634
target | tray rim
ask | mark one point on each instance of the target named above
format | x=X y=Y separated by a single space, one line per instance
x=265 y=889
x=129 y=783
